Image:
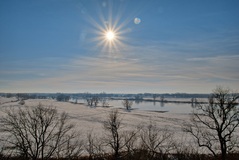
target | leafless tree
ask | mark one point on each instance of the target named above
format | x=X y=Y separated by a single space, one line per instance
x=36 y=132
x=90 y=146
x=130 y=141
x=70 y=146
x=89 y=101
x=162 y=98
x=93 y=101
x=157 y=142
x=185 y=151
x=155 y=96
x=214 y=125
x=115 y=136
x=94 y=146
x=96 y=100
x=127 y=104
x=104 y=102
x=113 y=125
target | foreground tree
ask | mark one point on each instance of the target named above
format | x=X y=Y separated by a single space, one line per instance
x=94 y=146
x=158 y=142
x=38 y=133
x=112 y=125
x=214 y=124
x=115 y=138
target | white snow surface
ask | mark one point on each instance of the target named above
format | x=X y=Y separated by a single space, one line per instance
x=91 y=118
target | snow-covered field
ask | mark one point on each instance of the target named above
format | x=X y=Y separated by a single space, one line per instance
x=89 y=118
x=6 y=100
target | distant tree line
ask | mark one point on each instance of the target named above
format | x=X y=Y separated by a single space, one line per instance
x=63 y=97
x=24 y=95
x=106 y=95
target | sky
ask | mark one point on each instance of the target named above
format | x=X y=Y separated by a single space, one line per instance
x=159 y=46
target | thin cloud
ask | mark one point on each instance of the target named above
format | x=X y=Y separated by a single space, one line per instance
x=216 y=58
x=156 y=67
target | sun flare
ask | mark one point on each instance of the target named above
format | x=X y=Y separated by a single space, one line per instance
x=110 y=35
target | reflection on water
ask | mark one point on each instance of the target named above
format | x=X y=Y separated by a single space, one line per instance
x=182 y=108
x=157 y=106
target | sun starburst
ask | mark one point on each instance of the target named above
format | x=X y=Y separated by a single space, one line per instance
x=110 y=35
x=110 y=31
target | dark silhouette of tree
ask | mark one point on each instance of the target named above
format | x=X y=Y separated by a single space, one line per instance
x=96 y=100
x=9 y=95
x=63 y=98
x=104 y=102
x=214 y=125
x=93 y=101
x=155 y=96
x=115 y=138
x=38 y=133
x=112 y=125
x=94 y=146
x=158 y=142
x=162 y=98
x=127 y=104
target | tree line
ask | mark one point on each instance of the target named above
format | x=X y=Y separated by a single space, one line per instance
x=87 y=95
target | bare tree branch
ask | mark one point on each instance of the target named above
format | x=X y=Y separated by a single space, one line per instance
x=214 y=125
x=37 y=132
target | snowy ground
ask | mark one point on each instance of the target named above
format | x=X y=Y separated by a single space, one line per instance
x=89 y=118
x=4 y=100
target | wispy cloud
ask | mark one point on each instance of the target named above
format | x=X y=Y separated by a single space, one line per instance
x=155 y=67
x=216 y=58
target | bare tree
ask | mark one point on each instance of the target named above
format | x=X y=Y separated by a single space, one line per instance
x=155 y=96
x=89 y=146
x=93 y=101
x=127 y=104
x=89 y=101
x=185 y=151
x=96 y=100
x=130 y=140
x=157 y=141
x=70 y=146
x=104 y=102
x=162 y=98
x=112 y=125
x=115 y=137
x=94 y=146
x=63 y=97
x=214 y=125
x=36 y=132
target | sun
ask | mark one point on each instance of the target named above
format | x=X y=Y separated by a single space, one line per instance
x=110 y=35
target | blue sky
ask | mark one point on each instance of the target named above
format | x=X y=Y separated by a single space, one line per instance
x=60 y=46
